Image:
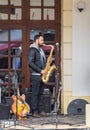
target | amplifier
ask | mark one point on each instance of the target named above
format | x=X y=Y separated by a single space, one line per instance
x=4 y=111
x=45 y=100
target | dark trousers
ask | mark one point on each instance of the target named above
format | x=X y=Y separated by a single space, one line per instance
x=37 y=91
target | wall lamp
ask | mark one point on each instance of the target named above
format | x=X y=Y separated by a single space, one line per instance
x=81 y=5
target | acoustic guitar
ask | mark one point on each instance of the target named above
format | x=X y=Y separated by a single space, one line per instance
x=19 y=106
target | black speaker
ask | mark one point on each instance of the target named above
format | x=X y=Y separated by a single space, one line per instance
x=45 y=101
x=4 y=111
x=77 y=107
x=9 y=101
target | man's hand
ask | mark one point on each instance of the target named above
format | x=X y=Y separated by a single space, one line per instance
x=43 y=72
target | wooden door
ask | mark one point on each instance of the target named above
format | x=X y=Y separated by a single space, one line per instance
x=20 y=20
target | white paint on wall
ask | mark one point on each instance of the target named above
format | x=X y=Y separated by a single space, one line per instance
x=81 y=50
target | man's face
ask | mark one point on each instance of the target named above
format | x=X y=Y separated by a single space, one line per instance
x=40 y=41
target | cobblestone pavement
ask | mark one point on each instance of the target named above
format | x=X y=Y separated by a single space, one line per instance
x=50 y=122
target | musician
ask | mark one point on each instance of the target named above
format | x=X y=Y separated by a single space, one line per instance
x=37 y=62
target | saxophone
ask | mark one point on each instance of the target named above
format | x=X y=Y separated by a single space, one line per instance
x=49 y=68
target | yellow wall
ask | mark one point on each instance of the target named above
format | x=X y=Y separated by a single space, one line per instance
x=66 y=47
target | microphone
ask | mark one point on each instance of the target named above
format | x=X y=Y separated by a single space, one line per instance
x=57 y=47
x=57 y=55
x=57 y=44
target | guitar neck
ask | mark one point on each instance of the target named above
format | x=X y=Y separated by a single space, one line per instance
x=18 y=92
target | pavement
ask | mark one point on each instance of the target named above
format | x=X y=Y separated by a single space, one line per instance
x=51 y=122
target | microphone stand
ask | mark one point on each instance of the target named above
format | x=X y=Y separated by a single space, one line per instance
x=15 y=93
x=57 y=88
x=16 y=87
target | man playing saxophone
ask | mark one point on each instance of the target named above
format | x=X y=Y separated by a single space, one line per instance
x=37 y=63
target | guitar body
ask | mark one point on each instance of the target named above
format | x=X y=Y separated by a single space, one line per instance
x=19 y=106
